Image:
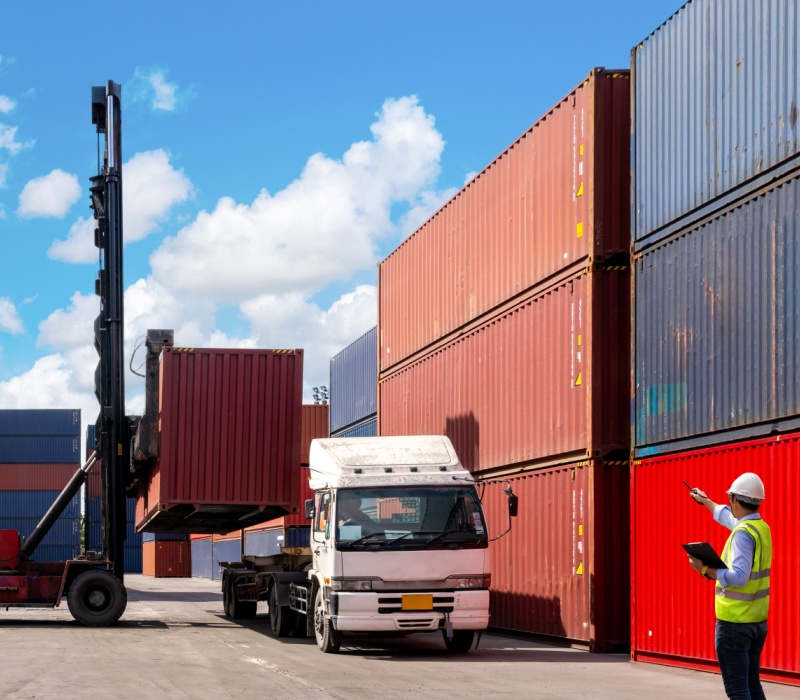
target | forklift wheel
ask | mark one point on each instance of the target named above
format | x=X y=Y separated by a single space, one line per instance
x=97 y=598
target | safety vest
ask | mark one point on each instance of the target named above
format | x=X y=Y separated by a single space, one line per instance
x=750 y=603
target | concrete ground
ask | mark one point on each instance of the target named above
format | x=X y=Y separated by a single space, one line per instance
x=174 y=642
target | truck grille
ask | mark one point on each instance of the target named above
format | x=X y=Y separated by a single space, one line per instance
x=441 y=604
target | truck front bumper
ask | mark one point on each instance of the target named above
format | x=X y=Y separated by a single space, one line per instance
x=403 y=612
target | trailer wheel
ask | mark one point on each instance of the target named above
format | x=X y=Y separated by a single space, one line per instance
x=460 y=642
x=328 y=639
x=97 y=598
x=226 y=597
x=280 y=617
x=240 y=609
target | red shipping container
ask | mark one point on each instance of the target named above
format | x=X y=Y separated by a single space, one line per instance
x=166 y=559
x=36 y=477
x=230 y=428
x=558 y=196
x=672 y=607
x=544 y=382
x=314 y=424
x=563 y=569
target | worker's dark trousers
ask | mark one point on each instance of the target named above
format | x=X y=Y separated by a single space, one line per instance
x=739 y=646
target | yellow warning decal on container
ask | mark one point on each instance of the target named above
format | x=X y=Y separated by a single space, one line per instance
x=580 y=529
x=580 y=340
x=182 y=349
x=580 y=150
x=119 y=449
x=579 y=379
x=579 y=570
x=579 y=230
x=283 y=352
x=579 y=193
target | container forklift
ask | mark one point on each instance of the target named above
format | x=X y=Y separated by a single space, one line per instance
x=93 y=582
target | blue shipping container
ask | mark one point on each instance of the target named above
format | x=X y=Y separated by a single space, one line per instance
x=354 y=382
x=717 y=327
x=90 y=444
x=367 y=428
x=716 y=93
x=55 y=552
x=132 y=559
x=41 y=449
x=63 y=531
x=34 y=504
x=40 y=421
x=224 y=550
x=201 y=558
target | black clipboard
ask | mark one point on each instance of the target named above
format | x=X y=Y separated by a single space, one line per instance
x=706 y=554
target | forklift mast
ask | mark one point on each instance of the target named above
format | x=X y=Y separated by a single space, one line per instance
x=112 y=429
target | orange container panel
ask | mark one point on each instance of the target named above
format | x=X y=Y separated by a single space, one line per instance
x=169 y=559
x=314 y=424
x=36 y=477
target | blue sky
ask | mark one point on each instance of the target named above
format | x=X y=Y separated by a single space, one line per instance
x=274 y=153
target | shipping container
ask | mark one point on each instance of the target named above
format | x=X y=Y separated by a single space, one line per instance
x=716 y=89
x=563 y=571
x=224 y=550
x=672 y=607
x=132 y=559
x=314 y=424
x=40 y=421
x=230 y=428
x=544 y=382
x=164 y=537
x=717 y=327
x=557 y=198
x=56 y=552
x=63 y=531
x=367 y=428
x=266 y=543
x=354 y=380
x=34 y=504
x=200 y=556
x=40 y=449
x=36 y=477
x=166 y=559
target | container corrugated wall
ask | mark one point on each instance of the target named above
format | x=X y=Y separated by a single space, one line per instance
x=563 y=570
x=224 y=550
x=717 y=326
x=716 y=94
x=673 y=616
x=36 y=477
x=314 y=424
x=368 y=428
x=546 y=381
x=354 y=378
x=40 y=449
x=166 y=559
x=201 y=556
x=559 y=195
x=40 y=421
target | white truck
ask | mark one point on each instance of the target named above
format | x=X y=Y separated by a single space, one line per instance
x=398 y=544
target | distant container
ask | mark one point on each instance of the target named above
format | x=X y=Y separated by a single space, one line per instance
x=164 y=537
x=367 y=428
x=354 y=381
x=224 y=550
x=563 y=570
x=132 y=559
x=673 y=616
x=36 y=477
x=717 y=328
x=230 y=424
x=266 y=543
x=201 y=556
x=40 y=449
x=56 y=552
x=90 y=440
x=34 y=504
x=40 y=421
x=166 y=559
x=557 y=198
x=314 y=424
x=717 y=88
x=64 y=531
x=543 y=383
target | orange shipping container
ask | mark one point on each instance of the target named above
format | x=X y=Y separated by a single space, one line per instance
x=166 y=559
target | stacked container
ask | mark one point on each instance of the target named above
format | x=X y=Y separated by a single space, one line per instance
x=39 y=454
x=504 y=324
x=354 y=380
x=716 y=220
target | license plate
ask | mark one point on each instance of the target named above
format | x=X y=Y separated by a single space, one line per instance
x=418 y=601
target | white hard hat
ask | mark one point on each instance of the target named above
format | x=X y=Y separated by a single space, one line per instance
x=748 y=488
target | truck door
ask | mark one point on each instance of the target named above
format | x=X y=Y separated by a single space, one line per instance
x=322 y=534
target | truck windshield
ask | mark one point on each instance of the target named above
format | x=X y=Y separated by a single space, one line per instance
x=409 y=518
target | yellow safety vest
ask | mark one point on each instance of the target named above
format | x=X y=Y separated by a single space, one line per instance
x=750 y=603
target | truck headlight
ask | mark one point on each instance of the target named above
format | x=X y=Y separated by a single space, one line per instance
x=470 y=582
x=351 y=584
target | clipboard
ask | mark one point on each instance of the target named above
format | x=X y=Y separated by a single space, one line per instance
x=706 y=554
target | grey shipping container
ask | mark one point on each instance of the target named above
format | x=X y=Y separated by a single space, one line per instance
x=367 y=428
x=49 y=449
x=40 y=421
x=224 y=550
x=717 y=328
x=201 y=557
x=164 y=537
x=716 y=92
x=34 y=504
x=354 y=380
x=266 y=543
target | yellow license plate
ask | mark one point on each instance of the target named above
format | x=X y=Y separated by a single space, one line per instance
x=418 y=601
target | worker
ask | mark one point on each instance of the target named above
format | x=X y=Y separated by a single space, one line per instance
x=349 y=512
x=742 y=590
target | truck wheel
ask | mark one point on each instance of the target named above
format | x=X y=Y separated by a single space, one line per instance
x=461 y=641
x=280 y=617
x=226 y=598
x=97 y=598
x=240 y=609
x=298 y=625
x=328 y=639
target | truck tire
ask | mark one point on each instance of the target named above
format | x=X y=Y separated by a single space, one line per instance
x=328 y=639
x=460 y=642
x=97 y=598
x=226 y=598
x=280 y=616
x=240 y=609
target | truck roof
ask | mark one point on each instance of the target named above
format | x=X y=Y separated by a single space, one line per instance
x=399 y=460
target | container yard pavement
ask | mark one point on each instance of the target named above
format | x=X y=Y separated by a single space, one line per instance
x=174 y=642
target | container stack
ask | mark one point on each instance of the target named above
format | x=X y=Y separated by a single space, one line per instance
x=39 y=454
x=716 y=367
x=354 y=379
x=504 y=323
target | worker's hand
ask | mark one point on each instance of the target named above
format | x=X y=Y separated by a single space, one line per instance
x=698 y=495
x=696 y=564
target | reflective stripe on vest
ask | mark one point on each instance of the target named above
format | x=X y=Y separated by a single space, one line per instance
x=749 y=603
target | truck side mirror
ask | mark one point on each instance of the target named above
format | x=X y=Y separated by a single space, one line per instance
x=513 y=502
x=309 y=509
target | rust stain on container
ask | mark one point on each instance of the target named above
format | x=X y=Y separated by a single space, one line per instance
x=557 y=196
x=167 y=559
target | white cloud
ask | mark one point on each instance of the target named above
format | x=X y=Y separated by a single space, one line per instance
x=323 y=227
x=151 y=187
x=151 y=85
x=6 y=104
x=3 y=175
x=164 y=92
x=51 y=195
x=10 y=320
x=428 y=203
x=8 y=140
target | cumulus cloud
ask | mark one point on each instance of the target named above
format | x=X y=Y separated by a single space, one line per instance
x=151 y=85
x=51 y=195
x=427 y=204
x=6 y=104
x=151 y=188
x=322 y=227
x=9 y=142
x=10 y=320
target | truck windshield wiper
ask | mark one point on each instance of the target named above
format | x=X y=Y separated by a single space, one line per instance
x=442 y=535
x=363 y=539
